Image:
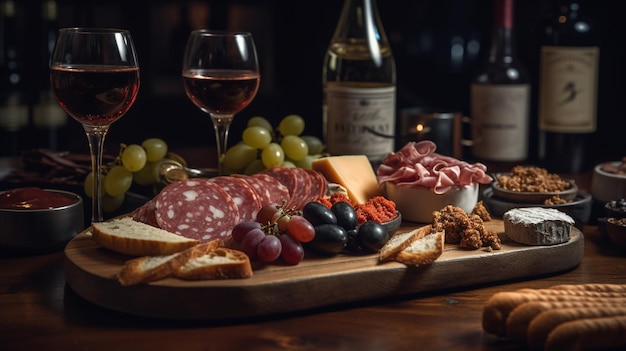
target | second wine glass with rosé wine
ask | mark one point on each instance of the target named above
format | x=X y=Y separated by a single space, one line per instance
x=221 y=77
x=94 y=74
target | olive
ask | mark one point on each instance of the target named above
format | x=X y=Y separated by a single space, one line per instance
x=352 y=244
x=346 y=216
x=317 y=213
x=329 y=239
x=372 y=236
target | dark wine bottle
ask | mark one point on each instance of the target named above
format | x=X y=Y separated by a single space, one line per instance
x=568 y=88
x=13 y=102
x=500 y=96
x=359 y=81
x=49 y=119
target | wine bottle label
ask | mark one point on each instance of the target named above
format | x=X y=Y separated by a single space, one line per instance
x=568 y=89
x=500 y=116
x=360 y=121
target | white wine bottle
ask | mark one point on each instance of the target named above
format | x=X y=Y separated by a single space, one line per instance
x=568 y=88
x=500 y=96
x=359 y=82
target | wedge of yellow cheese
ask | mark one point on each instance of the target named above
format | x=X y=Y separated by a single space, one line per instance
x=353 y=172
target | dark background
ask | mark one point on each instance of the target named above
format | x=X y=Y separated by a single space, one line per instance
x=292 y=37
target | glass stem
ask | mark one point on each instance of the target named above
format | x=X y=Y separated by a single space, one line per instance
x=95 y=136
x=221 y=124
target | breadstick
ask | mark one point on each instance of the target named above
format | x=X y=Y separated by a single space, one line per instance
x=541 y=326
x=599 y=287
x=574 y=292
x=498 y=307
x=520 y=317
x=587 y=334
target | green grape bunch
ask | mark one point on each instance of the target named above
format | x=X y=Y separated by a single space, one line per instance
x=135 y=164
x=263 y=146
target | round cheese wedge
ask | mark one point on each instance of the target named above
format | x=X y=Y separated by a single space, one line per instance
x=537 y=226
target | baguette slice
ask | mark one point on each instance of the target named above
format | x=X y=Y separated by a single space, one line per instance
x=147 y=269
x=400 y=241
x=127 y=236
x=221 y=263
x=423 y=251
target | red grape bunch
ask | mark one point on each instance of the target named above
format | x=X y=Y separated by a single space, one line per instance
x=277 y=233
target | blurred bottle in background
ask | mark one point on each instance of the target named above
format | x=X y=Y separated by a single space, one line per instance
x=359 y=83
x=500 y=96
x=568 y=88
x=48 y=119
x=13 y=99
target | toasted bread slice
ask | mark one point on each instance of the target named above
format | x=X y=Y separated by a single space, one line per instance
x=147 y=269
x=400 y=241
x=221 y=263
x=127 y=236
x=423 y=251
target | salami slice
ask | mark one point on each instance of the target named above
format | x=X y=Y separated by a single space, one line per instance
x=146 y=213
x=269 y=189
x=319 y=185
x=196 y=208
x=303 y=189
x=243 y=193
x=286 y=176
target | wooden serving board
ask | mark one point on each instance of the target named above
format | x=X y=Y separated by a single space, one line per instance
x=90 y=271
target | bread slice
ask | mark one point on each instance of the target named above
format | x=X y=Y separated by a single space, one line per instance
x=147 y=269
x=422 y=251
x=221 y=263
x=400 y=241
x=127 y=236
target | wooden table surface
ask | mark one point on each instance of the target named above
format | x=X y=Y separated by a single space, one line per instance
x=39 y=311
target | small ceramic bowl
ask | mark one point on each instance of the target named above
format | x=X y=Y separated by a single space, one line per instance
x=606 y=186
x=417 y=204
x=579 y=208
x=533 y=197
x=615 y=208
x=616 y=231
x=43 y=229
x=393 y=225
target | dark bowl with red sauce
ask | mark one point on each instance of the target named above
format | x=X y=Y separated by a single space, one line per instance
x=39 y=220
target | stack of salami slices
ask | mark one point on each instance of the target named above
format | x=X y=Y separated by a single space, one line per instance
x=207 y=209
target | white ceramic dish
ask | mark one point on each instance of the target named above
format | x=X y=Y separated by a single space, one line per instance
x=418 y=203
x=607 y=186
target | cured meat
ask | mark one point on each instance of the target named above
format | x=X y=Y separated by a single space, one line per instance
x=269 y=189
x=417 y=164
x=319 y=185
x=304 y=185
x=303 y=189
x=196 y=208
x=146 y=213
x=286 y=176
x=243 y=194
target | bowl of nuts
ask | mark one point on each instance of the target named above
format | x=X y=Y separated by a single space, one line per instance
x=533 y=185
x=616 y=231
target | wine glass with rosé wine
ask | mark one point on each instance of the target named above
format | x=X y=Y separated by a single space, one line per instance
x=94 y=74
x=221 y=77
